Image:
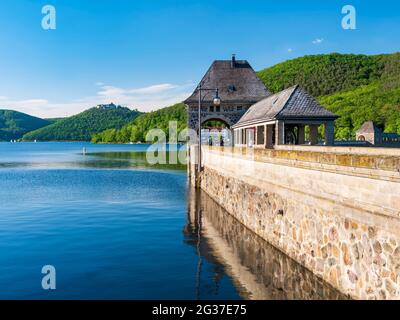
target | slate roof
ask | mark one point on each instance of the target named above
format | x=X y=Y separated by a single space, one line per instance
x=291 y=103
x=239 y=84
x=369 y=127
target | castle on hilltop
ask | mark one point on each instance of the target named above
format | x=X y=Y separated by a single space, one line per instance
x=109 y=106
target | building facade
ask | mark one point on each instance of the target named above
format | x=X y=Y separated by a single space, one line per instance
x=282 y=118
x=371 y=134
x=255 y=116
x=239 y=88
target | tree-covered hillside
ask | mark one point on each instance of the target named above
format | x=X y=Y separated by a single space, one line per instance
x=136 y=131
x=370 y=102
x=356 y=87
x=13 y=124
x=324 y=74
x=81 y=126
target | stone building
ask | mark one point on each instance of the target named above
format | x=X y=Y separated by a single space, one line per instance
x=239 y=88
x=258 y=117
x=109 y=106
x=282 y=119
x=374 y=135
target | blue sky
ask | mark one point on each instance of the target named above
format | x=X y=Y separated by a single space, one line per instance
x=149 y=54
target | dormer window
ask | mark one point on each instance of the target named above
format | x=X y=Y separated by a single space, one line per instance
x=232 y=88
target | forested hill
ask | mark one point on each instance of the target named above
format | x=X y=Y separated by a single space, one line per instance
x=14 y=124
x=324 y=74
x=81 y=126
x=136 y=130
x=356 y=87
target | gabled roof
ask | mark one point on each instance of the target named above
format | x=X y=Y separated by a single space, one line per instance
x=236 y=81
x=369 y=127
x=291 y=103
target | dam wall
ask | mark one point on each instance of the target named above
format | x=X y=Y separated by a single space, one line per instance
x=334 y=210
x=259 y=270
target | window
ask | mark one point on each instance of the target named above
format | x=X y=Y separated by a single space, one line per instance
x=218 y=109
x=239 y=108
x=211 y=108
x=260 y=135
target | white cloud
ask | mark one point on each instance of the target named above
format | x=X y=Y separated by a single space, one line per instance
x=318 y=41
x=110 y=91
x=290 y=50
x=145 y=99
x=158 y=88
x=28 y=105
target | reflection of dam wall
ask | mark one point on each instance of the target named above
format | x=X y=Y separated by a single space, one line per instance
x=263 y=271
x=337 y=214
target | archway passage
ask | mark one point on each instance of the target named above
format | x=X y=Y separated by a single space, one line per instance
x=216 y=123
x=216 y=132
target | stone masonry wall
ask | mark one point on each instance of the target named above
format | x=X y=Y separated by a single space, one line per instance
x=340 y=222
x=228 y=113
x=273 y=275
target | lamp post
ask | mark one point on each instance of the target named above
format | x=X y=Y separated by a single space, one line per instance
x=217 y=103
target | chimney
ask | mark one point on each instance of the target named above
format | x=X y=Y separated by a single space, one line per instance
x=233 y=63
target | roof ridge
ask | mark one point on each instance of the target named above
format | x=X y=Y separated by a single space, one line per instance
x=369 y=124
x=229 y=60
x=276 y=94
x=251 y=88
x=294 y=89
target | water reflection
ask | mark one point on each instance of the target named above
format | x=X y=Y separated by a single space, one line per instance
x=135 y=160
x=259 y=271
x=89 y=221
x=99 y=160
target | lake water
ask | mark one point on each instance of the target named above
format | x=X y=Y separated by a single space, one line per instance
x=116 y=228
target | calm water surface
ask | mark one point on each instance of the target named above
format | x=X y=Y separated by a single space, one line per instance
x=116 y=228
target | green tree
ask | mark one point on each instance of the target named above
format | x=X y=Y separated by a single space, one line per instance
x=83 y=126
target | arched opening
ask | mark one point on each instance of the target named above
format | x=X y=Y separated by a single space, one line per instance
x=361 y=138
x=216 y=132
x=217 y=124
